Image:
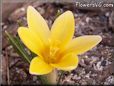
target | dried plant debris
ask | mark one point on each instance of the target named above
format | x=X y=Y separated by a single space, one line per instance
x=95 y=66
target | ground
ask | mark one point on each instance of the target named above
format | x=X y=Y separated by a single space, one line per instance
x=95 y=66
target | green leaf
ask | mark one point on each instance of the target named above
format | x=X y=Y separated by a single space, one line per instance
x=18 y=46
x=58 y=13
x=60 y=76
x=33 y=54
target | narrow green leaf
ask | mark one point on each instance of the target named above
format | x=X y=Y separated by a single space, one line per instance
x=18 y=47
x=22 y=47
x=33 y=54
x=58 y=13
x=60 y=76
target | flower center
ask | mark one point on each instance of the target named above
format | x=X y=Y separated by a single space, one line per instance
x=52 y=54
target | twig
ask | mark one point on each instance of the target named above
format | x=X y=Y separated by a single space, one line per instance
x=7 y=68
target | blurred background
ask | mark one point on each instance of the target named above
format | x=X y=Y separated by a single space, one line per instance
x=96 y=67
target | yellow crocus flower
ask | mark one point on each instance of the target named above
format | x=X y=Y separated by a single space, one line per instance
x=55 y=48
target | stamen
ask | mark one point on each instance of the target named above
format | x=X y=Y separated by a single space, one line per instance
x=51 y=54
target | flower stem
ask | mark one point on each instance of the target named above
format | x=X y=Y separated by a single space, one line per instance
x=50 y=79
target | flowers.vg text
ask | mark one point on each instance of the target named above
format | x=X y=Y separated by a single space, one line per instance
x=100 y=4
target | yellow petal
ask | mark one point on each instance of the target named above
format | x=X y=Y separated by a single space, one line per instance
x=37 y=23
x=63 y=29
x=30 y=39
x=39 y=67
x=82 y=44
x=68 y=62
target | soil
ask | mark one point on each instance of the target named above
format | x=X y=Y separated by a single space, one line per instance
x=95 y=66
